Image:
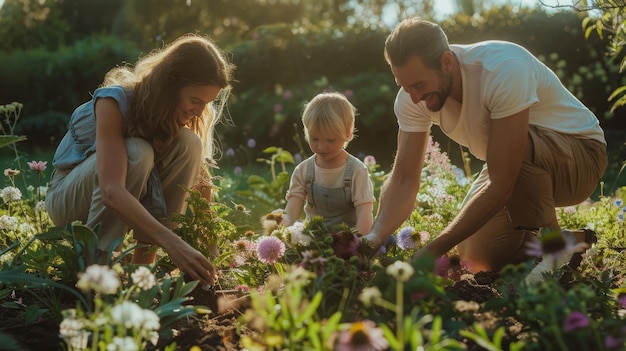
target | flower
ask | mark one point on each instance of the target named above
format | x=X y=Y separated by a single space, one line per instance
x=442 y=264
x=230 y=152
x=297 y=158
x=130 y=315
x=270 y=249
x=125 y=343
x=297 y=234
x=278 y=108
x=272 y=221
x=555 y=246
x=8 y=223
x=575 y=320
x=400 y=270
x=369 y=161
x=288 y=94
x=345 y=244
x=405 y=238
x=71 y=327
x=622 y=300
x=37 y=166
x=370 y=295
x=11 y=172
x=569 y=209
x=362 y=336
x=143 y=278
x=251 y=143
x=98 y=278
x=237 y=170
x=10 y=193
x=299 y=276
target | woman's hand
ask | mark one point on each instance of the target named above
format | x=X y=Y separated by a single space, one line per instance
x=191 y=261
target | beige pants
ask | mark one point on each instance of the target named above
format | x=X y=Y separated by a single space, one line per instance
x=75 y=195
x=558 y=170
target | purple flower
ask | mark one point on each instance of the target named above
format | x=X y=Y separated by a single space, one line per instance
x=622 y=300
x=345 y=244
x=442 y=264
x=297 y=158
x=230 y=152
x=237 y=170
x=569 y=209
x=251 y=143
x=575 y=320
x=270 y=249
x=612 y=342
x=405 y=238
x=391 y=240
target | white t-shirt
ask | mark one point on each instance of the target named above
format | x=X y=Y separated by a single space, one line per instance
x=499 y=80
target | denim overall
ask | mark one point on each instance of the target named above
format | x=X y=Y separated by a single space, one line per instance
x=335 y=205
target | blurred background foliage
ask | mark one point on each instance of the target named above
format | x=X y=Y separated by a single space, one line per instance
x=54 y=53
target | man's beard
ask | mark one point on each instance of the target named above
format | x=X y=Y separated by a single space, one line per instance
x=445 y=80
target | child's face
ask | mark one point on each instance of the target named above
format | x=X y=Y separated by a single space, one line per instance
x=326 y=146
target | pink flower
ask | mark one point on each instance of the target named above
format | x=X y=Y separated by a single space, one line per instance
x=287 y=94
x=369 y=161
x=278 y=108
x=37 y=165
x=270 y=249
x=348 y=93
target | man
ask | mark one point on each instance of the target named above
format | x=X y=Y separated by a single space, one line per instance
x=541 y=146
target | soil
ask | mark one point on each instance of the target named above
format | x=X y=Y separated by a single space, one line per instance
x=217 y=331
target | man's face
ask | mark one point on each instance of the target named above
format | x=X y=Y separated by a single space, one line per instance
x=423 y=83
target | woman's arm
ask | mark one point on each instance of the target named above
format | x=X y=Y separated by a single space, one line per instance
x=112 y=169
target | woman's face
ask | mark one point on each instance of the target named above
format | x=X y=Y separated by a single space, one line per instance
x=193 y=100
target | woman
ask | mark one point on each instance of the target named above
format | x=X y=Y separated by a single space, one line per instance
x=128 y=151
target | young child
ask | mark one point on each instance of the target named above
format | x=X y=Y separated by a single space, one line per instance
x=332 y=183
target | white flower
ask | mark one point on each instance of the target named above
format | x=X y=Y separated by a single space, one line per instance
x=40 y=206
x=8 y=223
x=143 y=278
x=10 y=193
x=299 y=276
x=98 y=278
x=71 y=327
x=400 y=270
x=122 y=344
x=298 y=236
x=370 y=295
x=26 y=228
x=130 y=315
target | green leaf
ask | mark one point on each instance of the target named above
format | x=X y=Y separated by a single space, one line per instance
x=17 y=275
x=270 y=150
x=32 y=313
x=10 y=139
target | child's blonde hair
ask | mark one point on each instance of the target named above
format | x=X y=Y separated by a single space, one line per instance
x=330 y=113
